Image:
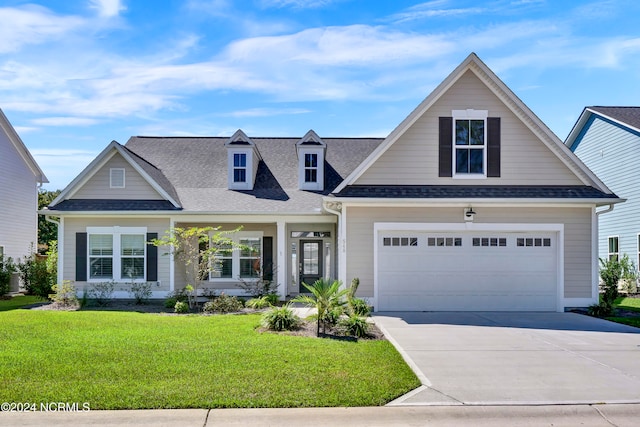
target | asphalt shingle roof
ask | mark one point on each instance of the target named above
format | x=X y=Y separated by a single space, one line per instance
x=628 y=115
x=114 y=205
x=197 y=169
x=473 y=191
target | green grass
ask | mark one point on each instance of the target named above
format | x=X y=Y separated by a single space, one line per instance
x=118 y=360
x=631 y=321
x=18 y=302
x=632 y=304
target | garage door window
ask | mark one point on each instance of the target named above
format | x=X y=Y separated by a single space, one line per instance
x=444 y=241
x=400 y=241
x=533 y=242
x=489 y=241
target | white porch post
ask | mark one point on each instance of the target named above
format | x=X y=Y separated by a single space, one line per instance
x=281 y=257
x=172 y=266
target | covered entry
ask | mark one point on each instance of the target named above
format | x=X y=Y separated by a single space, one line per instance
x=499 y=269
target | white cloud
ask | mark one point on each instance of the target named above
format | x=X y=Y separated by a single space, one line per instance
x=107 y=8
x=31 y=24
x=266 y=112
x=298 y=4
x=432 y=9
x=64 y=121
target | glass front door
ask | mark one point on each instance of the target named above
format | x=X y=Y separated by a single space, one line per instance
x=310 y=262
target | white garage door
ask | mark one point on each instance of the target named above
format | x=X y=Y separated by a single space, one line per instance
x=467 y=271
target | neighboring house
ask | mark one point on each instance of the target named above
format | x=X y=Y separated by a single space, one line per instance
x=471 y=203
x=607 y=140
x=20 y=179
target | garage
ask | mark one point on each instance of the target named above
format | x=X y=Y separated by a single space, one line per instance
x=477 y=270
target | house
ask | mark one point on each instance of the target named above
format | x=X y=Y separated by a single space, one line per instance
x=20 y=179
x=471 y=203
x=606 y=140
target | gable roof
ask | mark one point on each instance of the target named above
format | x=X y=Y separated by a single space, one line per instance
x=628 y=117
x=474 y=64
x=148 y=171
x=22 y=150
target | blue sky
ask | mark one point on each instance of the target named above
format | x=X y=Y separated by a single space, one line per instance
x=77 y=74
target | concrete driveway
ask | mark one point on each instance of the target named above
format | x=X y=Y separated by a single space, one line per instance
x=497 y=358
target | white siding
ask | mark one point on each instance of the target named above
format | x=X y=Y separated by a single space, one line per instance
x=18 y=202
x=98 y=186
x=577 y=250
x=413 y=158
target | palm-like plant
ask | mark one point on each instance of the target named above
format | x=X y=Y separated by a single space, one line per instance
x=326 y=297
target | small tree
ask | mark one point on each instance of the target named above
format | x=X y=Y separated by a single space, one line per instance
x=327 y=298
x=198 y=249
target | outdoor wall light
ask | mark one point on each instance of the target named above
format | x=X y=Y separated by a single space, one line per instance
x=469 y=213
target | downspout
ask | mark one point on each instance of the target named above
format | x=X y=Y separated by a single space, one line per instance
x=595 y=244
x=60 y=247
x=340 y=246
x=609 y=209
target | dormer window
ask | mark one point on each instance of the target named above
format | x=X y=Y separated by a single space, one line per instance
x=239 y=167
x=311 y=167
x=243 y=158
x=311 y=151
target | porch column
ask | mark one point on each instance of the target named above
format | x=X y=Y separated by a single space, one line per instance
x=281 y=257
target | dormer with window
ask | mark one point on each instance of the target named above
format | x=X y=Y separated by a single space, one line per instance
x=311 y=150
x=242 y=161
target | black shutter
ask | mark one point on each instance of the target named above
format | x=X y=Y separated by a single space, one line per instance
x=493 y=147
x=445 y=144
x=152 y=258
x=81 y=257
x=267 y=258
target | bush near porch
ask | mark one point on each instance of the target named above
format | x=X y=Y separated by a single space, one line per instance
x=121 y=360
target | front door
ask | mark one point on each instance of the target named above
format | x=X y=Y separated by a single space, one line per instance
x=310 y=262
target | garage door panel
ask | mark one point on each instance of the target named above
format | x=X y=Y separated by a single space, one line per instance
x=476 y=271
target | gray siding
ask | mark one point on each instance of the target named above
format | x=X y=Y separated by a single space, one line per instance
x=577 y=237
x=18 y=202
x=413 y=158
x=611 y=152
x=98 y=186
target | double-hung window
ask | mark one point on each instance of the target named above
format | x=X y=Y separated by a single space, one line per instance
x=242 y=263
x=470 y=148
x=116 y=253
x=311 y=167
x=239 y=167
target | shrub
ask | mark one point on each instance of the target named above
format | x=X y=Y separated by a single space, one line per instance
x=328 y=300
x=102 y=293
x=610 y=272
x=65 y=294
x=141 y=292
x=36 y=276
x=222 y=304
x=170 y=302
x=603 y=309
x=272 y=297
x=280 y=319
x=258 y=303
x=354 y=325
x=181 y=307
x=7 y=268
x=359 y=307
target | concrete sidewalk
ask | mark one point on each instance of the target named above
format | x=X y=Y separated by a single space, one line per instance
x=556 y=415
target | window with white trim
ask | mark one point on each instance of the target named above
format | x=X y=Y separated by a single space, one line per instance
x=245 y=263
x=613 y=242
x=638 y=259
x=239 y=167
x=1 y=251
x=469 y=142
x=116 y=253
x=116 y=177
x=311 y=167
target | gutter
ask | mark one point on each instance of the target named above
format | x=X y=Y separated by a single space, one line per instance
x=609 y=209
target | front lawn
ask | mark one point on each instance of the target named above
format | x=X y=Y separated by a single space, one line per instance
x=632 y=304
x=117 y=360
x=631 y=321
x=18 y=302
